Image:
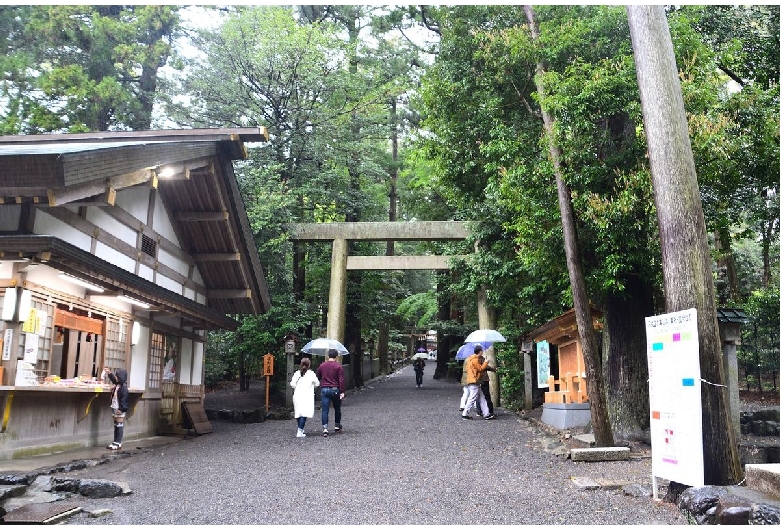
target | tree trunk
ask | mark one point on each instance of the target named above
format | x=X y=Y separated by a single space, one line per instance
x=596 y=392
x=685 y=253
x=625 y=362
x=487 y=320
x=727 y=263
x=766 y=243
x=443 y=341
x=383 y=340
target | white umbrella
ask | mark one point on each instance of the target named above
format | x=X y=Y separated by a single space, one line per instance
x=322 y=346
x=420 y=355
x=485 y=335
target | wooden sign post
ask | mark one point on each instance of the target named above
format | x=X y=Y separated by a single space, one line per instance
x=268 y=371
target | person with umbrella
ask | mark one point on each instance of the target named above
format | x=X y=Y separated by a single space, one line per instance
x=419 y=366
x=474 y=367
x=331 y=376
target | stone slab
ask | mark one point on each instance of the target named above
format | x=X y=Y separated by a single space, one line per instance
x=587 y=439
x=764 y=478
x=600 y=454
x=45 y=513
x=589 y=483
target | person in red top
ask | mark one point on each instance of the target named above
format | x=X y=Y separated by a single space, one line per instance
x=331 y=376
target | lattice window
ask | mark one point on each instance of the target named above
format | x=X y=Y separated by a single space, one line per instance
x=156 y=360
x=45 y=312
x=148 y=246
x=116 y=343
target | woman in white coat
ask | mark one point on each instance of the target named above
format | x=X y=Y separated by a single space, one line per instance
x=304 y=381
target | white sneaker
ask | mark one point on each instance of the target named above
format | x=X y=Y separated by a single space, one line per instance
x=300 y=434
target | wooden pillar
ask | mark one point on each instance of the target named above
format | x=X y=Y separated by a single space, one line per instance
x=337 y=299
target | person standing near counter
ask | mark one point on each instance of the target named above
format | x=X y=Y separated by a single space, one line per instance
x=120 y=398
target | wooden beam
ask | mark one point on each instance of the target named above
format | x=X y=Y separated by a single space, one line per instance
x=229 y=256
x=60 y=196
x=229 y=293
x=202 y=216
x=184 y=170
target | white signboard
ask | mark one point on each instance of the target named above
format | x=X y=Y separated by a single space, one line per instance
x=675 y=397
x=30 y=348
x=542 y=364
x=25 y=374
x=8 y=338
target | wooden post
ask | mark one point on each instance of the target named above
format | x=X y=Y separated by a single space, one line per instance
x=268 y=371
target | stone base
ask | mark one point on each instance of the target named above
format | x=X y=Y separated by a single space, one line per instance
x=566 y=415
x=764 y=478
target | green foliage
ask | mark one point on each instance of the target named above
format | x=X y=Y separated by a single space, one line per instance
x=419 y=308
x=83 y=68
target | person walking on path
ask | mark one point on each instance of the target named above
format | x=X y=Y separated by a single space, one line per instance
x=475 y=366
x=120 y=400
x=464 y=379
x=484 y=386
x=304 y=381
x=419 y=367
x=331 y=376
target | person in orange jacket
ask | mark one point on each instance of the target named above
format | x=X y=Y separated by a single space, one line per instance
x=475 y=366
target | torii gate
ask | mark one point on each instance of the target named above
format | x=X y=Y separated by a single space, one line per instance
x=341 y=262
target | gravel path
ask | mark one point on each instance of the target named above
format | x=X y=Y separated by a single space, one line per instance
x=405 y=457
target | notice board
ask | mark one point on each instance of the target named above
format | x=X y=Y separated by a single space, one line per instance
x=675 y=397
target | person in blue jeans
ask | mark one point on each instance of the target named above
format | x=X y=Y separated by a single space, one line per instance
x=331 y=376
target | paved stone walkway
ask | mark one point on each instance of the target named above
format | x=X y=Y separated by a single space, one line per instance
x=405 y=457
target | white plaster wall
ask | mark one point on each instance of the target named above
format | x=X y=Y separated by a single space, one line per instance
x=198 y=351
x=45 y=275
x=45 y=224
x=174 y=322
x=111 y=225
x=162 y=223
x=10 y=214
x=173 y=262
x=196 y=277
x=185 y=362
x=146 y=273
x=167 y=283
x=134 y=201
x=114 y=257
x=6 y=270
x=114 y=303
x=139 y=360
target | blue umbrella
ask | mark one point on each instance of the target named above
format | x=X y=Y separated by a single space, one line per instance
x=468 y=349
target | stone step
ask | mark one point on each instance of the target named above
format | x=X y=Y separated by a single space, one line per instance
x=764 y=478
x=599 y=454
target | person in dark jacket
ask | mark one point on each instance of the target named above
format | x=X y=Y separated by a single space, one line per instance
x=120 y=398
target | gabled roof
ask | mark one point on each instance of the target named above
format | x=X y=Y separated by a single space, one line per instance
x=564 y=328
x=202 y=197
